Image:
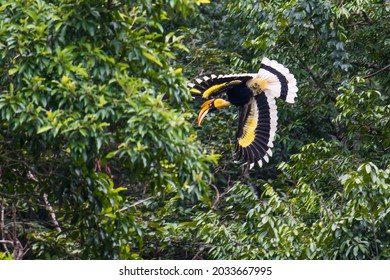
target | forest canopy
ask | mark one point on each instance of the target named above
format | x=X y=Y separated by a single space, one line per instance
x=101 y=156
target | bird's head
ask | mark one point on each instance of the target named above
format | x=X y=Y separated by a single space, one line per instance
x=211 y=105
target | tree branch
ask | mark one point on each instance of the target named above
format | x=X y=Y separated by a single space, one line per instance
x=136 y=203
x=378 y=72
x=308 y=70
x=364 y=63
x=15 y=195
x=49 y=209
x=217 y=197
x=18 y=248
x=2 y=228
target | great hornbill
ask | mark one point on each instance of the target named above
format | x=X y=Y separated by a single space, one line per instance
x=254 y=96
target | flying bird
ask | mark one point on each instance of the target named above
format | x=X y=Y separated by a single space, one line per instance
x=254 y=96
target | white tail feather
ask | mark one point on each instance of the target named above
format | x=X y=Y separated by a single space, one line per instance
x=275 y=75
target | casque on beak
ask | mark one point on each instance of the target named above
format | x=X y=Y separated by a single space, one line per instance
x=205 y=109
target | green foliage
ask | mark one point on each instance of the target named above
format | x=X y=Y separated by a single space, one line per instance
x=4 y=256
x=100 y=157
x=91 y=118
x=364 y=119
x=353 y=224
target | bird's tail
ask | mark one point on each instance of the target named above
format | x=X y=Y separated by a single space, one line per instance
x=276 y=80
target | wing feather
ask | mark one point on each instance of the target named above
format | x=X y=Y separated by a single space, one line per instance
x=208 y=87
x=256 y=130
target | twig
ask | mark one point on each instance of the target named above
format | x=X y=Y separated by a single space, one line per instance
x=364 y=63
x=366 y=17
x=49 y=208
x=18 y=248
x=198 y=255
x=136 y=203
x=221 y=195
x=15 y=195
x=2 y=227
x=378 y=72
x=217 y=198
x=308 y=70
x=311 y=74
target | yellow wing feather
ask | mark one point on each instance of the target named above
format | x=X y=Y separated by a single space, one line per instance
x=248 y=134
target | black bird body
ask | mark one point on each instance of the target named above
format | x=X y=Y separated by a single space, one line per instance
x=239 y=95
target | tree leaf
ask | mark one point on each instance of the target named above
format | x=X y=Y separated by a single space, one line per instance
x=152 y=58
x=44 y=129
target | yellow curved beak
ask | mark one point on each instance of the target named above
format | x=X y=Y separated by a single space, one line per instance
x=204 y=110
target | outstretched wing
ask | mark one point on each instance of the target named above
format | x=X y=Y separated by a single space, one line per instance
x=208 y=87
x=256 y=129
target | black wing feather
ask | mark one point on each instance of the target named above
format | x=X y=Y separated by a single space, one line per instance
x=200 y=85
x=259 y=148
